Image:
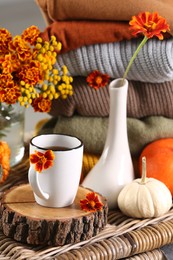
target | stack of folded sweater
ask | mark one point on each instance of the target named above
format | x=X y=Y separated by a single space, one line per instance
x=95 y=36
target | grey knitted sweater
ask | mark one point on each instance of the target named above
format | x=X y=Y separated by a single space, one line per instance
x=154 y=63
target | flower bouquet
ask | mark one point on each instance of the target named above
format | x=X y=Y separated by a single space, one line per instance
x=28 y=77
x=27 y=73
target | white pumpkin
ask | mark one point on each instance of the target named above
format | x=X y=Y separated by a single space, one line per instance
x=145 y=197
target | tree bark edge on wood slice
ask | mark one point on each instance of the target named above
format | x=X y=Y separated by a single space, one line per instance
x=27 y=222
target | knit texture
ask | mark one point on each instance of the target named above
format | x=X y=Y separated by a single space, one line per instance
x=112 y=10
x=92 y=131
x=143 y=99
x=154 y=63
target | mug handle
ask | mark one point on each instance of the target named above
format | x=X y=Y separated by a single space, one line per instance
x=33 y=180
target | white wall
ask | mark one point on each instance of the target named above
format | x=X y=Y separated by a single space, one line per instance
x=17 y=15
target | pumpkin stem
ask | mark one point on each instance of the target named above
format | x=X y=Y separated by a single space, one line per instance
x=144 y=175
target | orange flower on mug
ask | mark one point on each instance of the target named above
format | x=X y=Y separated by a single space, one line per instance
x=42 y=161
x=96 y=79
x=91 y=203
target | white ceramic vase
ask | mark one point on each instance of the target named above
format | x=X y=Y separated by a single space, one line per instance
x=115 y=168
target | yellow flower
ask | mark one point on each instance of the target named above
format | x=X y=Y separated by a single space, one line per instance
x=27 y=65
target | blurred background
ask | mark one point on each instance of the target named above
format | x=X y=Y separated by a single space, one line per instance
x=17 y=15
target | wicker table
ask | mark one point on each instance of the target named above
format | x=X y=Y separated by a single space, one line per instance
x=122 y=238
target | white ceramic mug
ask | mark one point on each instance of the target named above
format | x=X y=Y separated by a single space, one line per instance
x=56 y=186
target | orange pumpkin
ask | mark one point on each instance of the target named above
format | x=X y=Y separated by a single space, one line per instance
x=159 y=156
x=4 y=160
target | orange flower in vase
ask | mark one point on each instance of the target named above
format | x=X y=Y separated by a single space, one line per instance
x=91 y=203
x=42 y=161
x=150 y=25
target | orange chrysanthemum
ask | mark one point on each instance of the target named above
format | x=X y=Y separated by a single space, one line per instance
x=91 y=203
x=42 y=161
x=22 y=49
x=149 y=24
x=31 y=73
x=4 y=78
x=4 y=160
x=5 y=38
x=10 y=93
x=30 y=61
x=31 y=34
x=96 y=79
x=10 y=64
x=41 y=104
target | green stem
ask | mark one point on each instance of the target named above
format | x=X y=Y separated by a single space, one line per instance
x=134 y=56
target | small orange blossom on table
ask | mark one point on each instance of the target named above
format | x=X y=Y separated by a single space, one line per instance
x=149 y=25
x=91 y=203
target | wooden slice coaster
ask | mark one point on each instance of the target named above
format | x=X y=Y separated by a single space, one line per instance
x=26 y=221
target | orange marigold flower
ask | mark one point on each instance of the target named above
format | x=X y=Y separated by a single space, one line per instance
x=2 y=58
x=21 y=48
x=31 y=73
x=10 y=64
x=91 y=203
x=97 y=80
x=30 y=61
x=41 y=104
x=149 y=24
x=5 y=38
x=42 y=161
x=4 y=160
x=31 y=34
x=9 y=92
x=4 y=78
